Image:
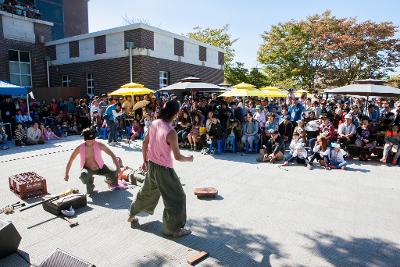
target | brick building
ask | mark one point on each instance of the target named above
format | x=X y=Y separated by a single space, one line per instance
x=99 y=62
x=22 y=50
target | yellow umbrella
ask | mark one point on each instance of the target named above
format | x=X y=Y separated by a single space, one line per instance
x=272 y=92
x=131 y=89
x=243 y=89
x=299 y=93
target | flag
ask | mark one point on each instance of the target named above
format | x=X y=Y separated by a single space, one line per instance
x=31 y=95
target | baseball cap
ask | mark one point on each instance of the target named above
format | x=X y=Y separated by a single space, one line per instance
x=258 y=107
x=348 y=116
x=335 y=145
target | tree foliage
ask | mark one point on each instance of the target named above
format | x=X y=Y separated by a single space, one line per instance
x=219 y=37
x=237 y=73
x=327 y=51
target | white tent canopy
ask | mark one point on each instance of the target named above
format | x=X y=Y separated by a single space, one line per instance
x=192 y=84
x=366 y=88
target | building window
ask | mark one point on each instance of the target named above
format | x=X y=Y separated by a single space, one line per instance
x=90 y=84
x=164 y=77
x=20 y=68
x=65 y=81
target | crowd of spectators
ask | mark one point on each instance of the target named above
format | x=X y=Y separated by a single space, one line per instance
x=305 y=130
x=21 y=8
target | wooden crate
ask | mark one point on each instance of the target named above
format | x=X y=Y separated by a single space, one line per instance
x=28 y=184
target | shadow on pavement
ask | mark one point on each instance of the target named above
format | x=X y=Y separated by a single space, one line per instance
x=19 y=259
x=355 y=251
x=118 y=199
x=230 y=246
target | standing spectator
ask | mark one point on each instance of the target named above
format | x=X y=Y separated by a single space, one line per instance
x=260 y=116
x=94 y=107
x=111 y=114
x=295 y=111
x=8 y=112
x=34 y=135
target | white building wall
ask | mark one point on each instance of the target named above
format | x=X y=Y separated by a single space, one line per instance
x=86 y=49
x=62 y=53
x=164 y=47
x=18 y=29
x=191 y=54
x=115 y=43
x=212 y=59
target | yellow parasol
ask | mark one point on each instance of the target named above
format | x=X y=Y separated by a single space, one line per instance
x=131 y=89
x=243 y=89
x=272 y=92
x=299 y=93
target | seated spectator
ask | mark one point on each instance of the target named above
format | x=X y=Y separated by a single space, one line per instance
x=49 y=134
x=274 y=150
x=270 y=125
x=97 y=122
x=346 y=132
x=297 y=151
x=232 y=135
x=136 y=130
x=336 y=157
x=214 y=134
x=363 y=140
x=184 y=126
x=300 y=129
x=259 y=116
x=392 y=142
x=320 y=152
x=372 y=113
x=249 y=131
x=194 y=135
x=285 y=130
x=34 y=135
x=3 y=138
x=20 y=135
x=74 y=128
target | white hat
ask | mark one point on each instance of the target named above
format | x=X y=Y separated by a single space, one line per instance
x=348 y=116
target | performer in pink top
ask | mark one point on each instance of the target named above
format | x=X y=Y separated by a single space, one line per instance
x=92 y=163
x=161 y=180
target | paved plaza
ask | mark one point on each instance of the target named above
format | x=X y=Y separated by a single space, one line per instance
x=265 y=215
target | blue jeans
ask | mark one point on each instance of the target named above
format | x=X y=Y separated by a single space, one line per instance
x=338 y=164
x=112 y=131
x=229 y=140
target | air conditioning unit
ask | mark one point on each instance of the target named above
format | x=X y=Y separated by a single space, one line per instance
x=41 y=39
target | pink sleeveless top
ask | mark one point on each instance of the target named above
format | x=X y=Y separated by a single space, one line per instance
x=159 y=151
x=97 y=154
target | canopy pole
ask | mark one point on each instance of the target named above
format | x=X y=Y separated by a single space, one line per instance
x=27 y=103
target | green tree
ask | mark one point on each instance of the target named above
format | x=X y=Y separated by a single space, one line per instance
x=327 y=51
x=219 y=37
x=238 y=73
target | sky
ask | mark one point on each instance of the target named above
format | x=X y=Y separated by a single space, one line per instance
x=247 y=19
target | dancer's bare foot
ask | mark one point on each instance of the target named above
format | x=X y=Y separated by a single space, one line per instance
x=181 y=232
x=133 y=219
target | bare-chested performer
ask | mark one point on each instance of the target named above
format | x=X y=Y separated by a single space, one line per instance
x=92 y=162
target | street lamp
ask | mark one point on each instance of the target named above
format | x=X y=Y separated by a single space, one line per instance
x=47 y=58
x=130 y=46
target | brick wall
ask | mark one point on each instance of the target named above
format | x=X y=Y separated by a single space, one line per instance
x=100 y=44
x=141 y=38
x=42 y=30
x=37 y=50
x=74 y=49
x=110 y=74
x=221 y=58
x=179 y=49
x=202 y=53
x=1 y=27
x=51 y=52
x=75 y=17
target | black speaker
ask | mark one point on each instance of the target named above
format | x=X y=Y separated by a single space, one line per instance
x=9 y=239
x=61 y=258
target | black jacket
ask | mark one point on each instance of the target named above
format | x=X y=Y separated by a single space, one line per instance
x=215 y=131
x=274 y=146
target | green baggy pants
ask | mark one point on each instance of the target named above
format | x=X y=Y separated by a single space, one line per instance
x=162 y=181
x=88 y=179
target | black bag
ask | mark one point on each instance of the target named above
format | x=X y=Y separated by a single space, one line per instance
x=75 y=200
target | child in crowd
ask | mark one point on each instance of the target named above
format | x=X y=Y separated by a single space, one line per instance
x=49 y=134
x=214 y=134
x=232 y=135
x=336 y=157
x=136 y=130
x=20 y=135
x=392 y=142
x=320 y=152
x=194 y=135
x=297 y=151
